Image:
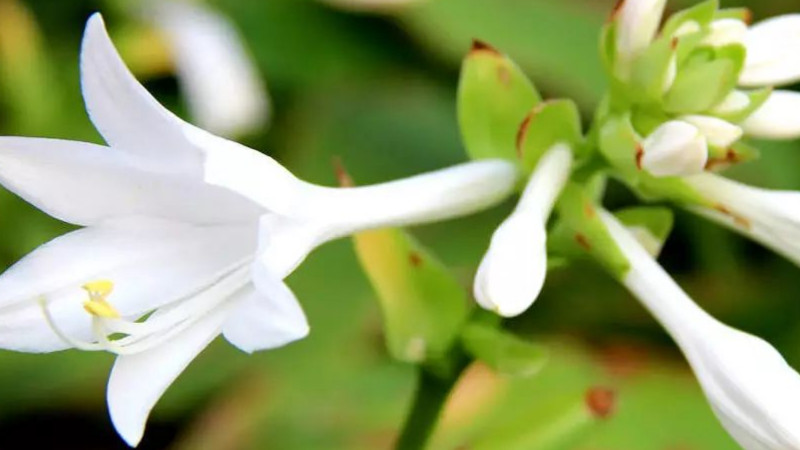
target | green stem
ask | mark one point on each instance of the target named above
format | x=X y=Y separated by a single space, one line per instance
x=429 y=399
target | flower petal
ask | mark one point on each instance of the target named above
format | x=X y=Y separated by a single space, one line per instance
x=265 y=318
x=127 y=116
x=150 y=263
x=777 y=118
x=772 y=52
x=137 y=381
x=224 y=91
x=84 y=184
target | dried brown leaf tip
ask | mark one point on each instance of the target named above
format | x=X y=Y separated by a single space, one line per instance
x=731 y=157
x=639 y=156
x=481 y=46
x=522 y=132
x=601 y=402
x=614 y=11
x=747 y=16
x=342 y=177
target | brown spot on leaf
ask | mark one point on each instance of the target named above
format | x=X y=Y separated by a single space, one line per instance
x=674 y=43
x=504 y=75
x=589 y=211
x=415 y=259
x=480 y=46
x=583 y=242
x=748 y=16
x=342 y=176
x=639 y=156
x=601 y=401
x=730 y=157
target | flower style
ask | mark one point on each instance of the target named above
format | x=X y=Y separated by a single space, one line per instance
x=512 y=272
x=222 y=86
x=187 y=235
x=752 y=390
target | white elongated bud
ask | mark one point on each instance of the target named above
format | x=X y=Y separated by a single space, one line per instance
x=718 y=132
x=752 y=390
x=637 y=24
x=777 y=118
x=725 y=32
x=674 y=148
x=771 y=217
x=512 y=272
x=772 y=52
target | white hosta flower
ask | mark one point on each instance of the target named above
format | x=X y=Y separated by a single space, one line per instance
x=637 y=24
x=752 y=390
x=674 y=148
x=223 y=88
x=777 y=118
x=725 y=32
x=187 y=235
x=773 y=52
x=512 y=272
x=718 y=132
x=767 y=216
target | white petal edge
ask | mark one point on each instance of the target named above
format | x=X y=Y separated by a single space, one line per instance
x=772 y=56
x=84 y=184
x=265 y=318
x=137 y=381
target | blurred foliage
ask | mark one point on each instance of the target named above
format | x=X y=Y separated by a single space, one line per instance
x=379 y=92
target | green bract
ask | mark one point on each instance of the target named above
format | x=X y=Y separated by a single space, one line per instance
x=549 y=123
x=502 y=351
x=423 y=306
x=494 y=97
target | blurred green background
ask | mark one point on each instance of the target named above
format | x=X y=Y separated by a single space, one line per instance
x=378 y=91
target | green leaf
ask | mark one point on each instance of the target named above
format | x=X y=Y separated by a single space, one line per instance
x=549 y=123
x=700 y=87
x=651 y=69
x=702 y=14
x=504 y=352
x=423 y=305
x=493 y=98
x=619 y=144
x=743 y=14
x=580 y=214
x=739 y=152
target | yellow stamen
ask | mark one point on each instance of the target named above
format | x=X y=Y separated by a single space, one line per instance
x=98 y=305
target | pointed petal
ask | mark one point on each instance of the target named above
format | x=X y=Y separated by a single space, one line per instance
x=223 y=87
x=84 y=184
x=137 y=381
x=777 y=118
x=127 y=116
x=265 y=318
x=150 y=263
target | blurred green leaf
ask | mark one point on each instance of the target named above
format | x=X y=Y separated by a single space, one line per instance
x=550 y=123
x=502 y=351
x=423 y=306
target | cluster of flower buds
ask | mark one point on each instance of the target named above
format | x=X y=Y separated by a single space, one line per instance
x=689 y=92
x=682 y=99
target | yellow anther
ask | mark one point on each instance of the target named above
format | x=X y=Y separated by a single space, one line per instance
x=98 y=305
x=101 y=308
x=99 y=288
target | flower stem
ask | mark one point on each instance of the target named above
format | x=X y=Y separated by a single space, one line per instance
x=430 y=397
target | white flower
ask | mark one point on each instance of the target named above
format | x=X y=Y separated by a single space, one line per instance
x=777 y=118
x=773 y=52
x=767 y=216
x=637 y=24
x=223 y=88
x=187 y=235
x=733 y=103
x=512 y=272
x=752 y=390
x=718 y=132
x=674 y=148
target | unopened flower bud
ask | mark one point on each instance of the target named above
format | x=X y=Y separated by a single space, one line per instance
x=674 y=148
